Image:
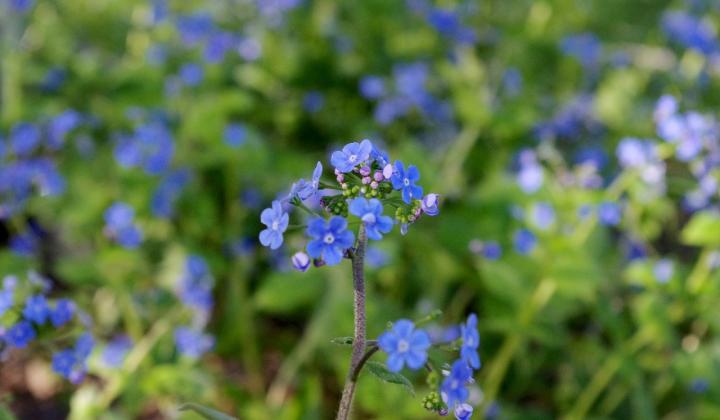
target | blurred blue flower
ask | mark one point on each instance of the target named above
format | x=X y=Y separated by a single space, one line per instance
x=195 y=27
x=530 y=175
x=191 y=74
x=329 y=239
x=699 y=386
x=20 y=334
x=25 y=138
x=609 y=213
x=62 y=313
x=120 y=227
x=313 y=101
x=54 y=79
x=249 y=48
x=390 y=109
x=372 y=87
x=663 y=270
x=690 y=32
x=304 y=189
x=463 y=411
x=404 y=181
x=235 y=134
x=429 y=204
x=512 y=81
x=491 y=250
x=453 y=388
x=376 y=257
x=36 y=309
x=72 y=363
x=24 y=244
x=196 y=285
x=21 y=6
x=63 y=362
x=115 y=351
x=584 y=47
x=404 y=345
x=351 y=155
x=524 y=241
x=542 y=215
x=163 y=200
x=150 y=147
x=276 y=221
x=193 y=343
x=470 y=342
x=447 y=23
x=217 y=46
x=60 y=125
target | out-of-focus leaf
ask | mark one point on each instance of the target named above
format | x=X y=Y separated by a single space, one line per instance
x=702 y=230
x=381 y=372
x=342 y=341
x=206 y=412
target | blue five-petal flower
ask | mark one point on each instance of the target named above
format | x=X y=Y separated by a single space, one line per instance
x=405 y=346
x=405 y=182
x=330 y=239
x=470 y=342
x=276 y=221
x=370 y=212
x=351 y=155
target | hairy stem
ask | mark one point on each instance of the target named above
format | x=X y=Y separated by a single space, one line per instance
x=357 y=360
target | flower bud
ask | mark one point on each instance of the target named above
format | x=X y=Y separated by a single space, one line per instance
x=387 y=171
x=378 y=176
x=301 y=261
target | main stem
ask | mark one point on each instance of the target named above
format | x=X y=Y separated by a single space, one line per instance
x=359 y=339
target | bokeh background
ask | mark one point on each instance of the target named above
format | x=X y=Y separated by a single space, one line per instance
x=140 y=139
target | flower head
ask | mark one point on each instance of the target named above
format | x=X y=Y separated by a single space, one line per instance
x=405 y=181
x=36 y=309
x=63 y=312
x=405 y=346
x=193 y=343
x=351 y=155
x=330 y=239
x=20 y=334
x=470 y=342
x=301 y=261
x=453 y=389
x=429 y=204
x=524 y=241
x=370 y=212
x=463 y=411
x=276 y=221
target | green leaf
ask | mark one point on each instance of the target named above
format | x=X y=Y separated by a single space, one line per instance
x=5 y=413
x=206 y=412
x=380 y=371
x=342 y=341
x=702 y=230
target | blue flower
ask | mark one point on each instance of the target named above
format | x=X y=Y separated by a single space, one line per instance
x=20 y=334
x=194 y=28
x=491 y=250
x=405 y=346
x=585 y=47
x=63 y=362
x=235 y=134
x=530 y=176
x=405 y=181
x=543 y=215
x=217 y=46
x=313 y=101
x=370 y=212
x=21 y=6
x=663 y=270
x=60 y=126
x=36 y=309
x=193 y=343
x=119 y=225
x=6 y=300
x=351 y=155
x=524 y=241
x=24 y=138
x=191 y=74
x=196 y=285
x=115 y=351
x=63 y=312
x=276 y=221
x=453 y=389
x=609 y=213
x=470 y=342
x=372 y=87
x=150 y=147
x=163 y=200
x=690 y=32
x=330 y=239
x=304 y=189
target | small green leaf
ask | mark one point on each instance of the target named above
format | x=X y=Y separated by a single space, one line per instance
x=342 y=341
x=702 y=230
x=5 y=413
x=380 y=371
x=206 y=412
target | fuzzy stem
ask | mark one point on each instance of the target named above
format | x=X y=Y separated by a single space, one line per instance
x=359 y=340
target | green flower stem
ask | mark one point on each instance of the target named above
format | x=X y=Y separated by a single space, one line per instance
x=249 y=339
x=700 y=272
x=358 y=357
x=132 y=362
x=499 y=365
x=604 y=375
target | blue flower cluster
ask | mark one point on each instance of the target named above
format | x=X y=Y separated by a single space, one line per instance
x=195 y=291
x=120 y=227
x=365 y=184
x=26 y=306
x=408 y=346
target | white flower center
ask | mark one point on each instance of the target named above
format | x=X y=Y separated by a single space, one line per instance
x=329 y=238
x=403 y=346
x=406 y=182
x=275 y=225
x=369 y=218
x=352 y=158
